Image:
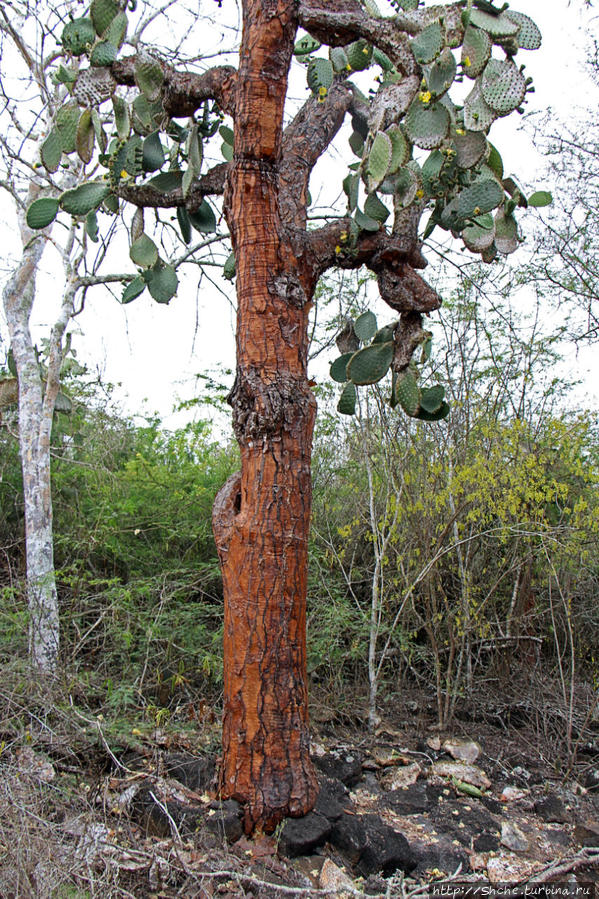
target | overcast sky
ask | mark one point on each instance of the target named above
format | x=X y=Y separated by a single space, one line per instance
x=155 y=350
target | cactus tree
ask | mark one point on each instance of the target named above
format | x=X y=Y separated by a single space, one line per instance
x=418 y=152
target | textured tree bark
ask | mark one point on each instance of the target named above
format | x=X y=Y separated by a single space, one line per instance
x=261 y=517
x=34 y=445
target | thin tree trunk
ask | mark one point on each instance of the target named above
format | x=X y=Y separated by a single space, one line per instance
x=261 y=517
x=34 y=439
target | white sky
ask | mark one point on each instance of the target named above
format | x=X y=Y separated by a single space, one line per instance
x=155 y=351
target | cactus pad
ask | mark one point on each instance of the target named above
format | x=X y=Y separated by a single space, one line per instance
x=85 y=137
x=478 y=115
x=320 y=75
x=103 y=54
x=431 y=398
x=427 y=45
x=102 y=13
x=51 y=151
x=149 y=76
x=67 y=119
x=503 y=86
x=347 y=400
x=365 y=326
x=306 y=45
x=478 y=237
x=338 y=368
x=400 y=149
x=406 y=391
x=162 y=283
x=359 y=55
x=144 y=251
x=471 y=147
x=442 y=73
x=476 y=51
x=427 y=125
x=496 y=26
x=42 y=213
x=85 y=198
x=371 y=363
x=529 y=36
x=93 y=86
x=379 y=160
x=78 y=35
x=506 y=233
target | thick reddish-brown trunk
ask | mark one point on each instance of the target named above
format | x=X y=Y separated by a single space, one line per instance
x=261 y=516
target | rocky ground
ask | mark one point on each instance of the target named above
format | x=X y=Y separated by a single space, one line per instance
x=396 y=813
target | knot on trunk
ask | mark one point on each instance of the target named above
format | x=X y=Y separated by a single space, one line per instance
x=265 y=409
x=409 y=335
x=227 y=505
x=287 y=288
x=402 y=288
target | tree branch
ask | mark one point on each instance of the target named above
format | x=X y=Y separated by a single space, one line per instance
x=184 y=92
x=213 y=182
x=338 y=22
x=305 y=140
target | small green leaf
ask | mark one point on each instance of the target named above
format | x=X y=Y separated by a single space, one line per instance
x=229 y=267
x=153 y=153
x=347 y=400
x=163 y=283
x=42 y=213
x=184 y=223
x=91 y=226
x=203 y=219
x=540 y=198
x=133 y=290
x=144 y=251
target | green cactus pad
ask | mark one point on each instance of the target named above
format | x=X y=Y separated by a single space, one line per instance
x=382 y=60
x=42 y=213
x=442 y=73
x=365 y=326
x=338 y=58
x=86 y=137
x=144 y=251
x=494 y=161
x=479 y=198
x=102 y=13
x=478 y=115
x=471 y=148
x=476 y=51
x=359 y=55
x=406 y=391
x=407 y=184
x=529 y=37
x=400 y=149
x=67 y=119
x=103 y=54
x=320 y=75
x=503 y=86
x=133 y=290
x=384 y=334
x=506 y=233
x=146 y=116
x=51 y=151
x=85 y=198
x=122 y=119
x=117 y=30
x=427 y=45
x=78 y=35
x=431 y=398
x=442 y=412
x=371 y=363
x=229 y=268
x=203 y=219
x=338 y=368
x=153 y=157
x=375 y=209
x=379 y=160
x=162 y=283
x=149 y=77
x=306 y=45
x=496 y=26
x=478 y=238
x=347 y=400
x=427 y=125
x=431 y=171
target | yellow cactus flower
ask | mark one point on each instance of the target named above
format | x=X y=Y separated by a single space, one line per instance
x=322 y=92
x=467 y=62
x=420 y=193
x=460 y=131
x=425 y=96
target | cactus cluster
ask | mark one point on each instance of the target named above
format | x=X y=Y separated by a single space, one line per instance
x=367 y=355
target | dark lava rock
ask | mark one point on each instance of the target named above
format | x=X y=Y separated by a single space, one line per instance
x=552 y=810
x=300 y=836
x=342 y=765
x=486 y=842
x=492 y=805
x=371 y=845
x=196 y=773
x=440 y=855
x=417 y=799
x=587 y=833
x=157 y=816
x=591 y=780
x=227 y=820
x=332 y=798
